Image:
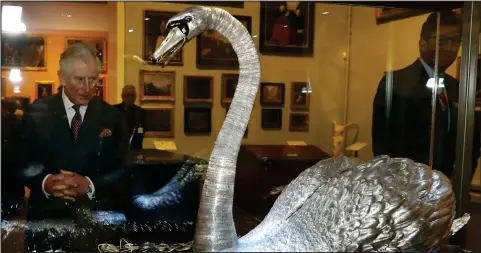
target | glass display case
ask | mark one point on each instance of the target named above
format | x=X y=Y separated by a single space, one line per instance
x=358 y=80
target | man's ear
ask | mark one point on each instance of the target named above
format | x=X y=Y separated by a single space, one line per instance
x=60 y=77
x=423 y=45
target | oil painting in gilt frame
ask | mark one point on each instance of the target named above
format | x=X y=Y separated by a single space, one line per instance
x=299 y=122
x=155 y=32
x=198 y=89
x=43 y=89
x=300 y=95
x=271 y=119
x=97 y=44
x=157 y=86
x=287 y=28
x=272 y=94
x=385 y=15
x=214 y=51
x=197 y=121
x=159 y=122
x=25 y=52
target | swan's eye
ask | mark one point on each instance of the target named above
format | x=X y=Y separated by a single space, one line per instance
x=188 y=18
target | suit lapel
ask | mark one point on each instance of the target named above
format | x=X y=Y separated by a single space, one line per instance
x=90 y=129
x=62 y=127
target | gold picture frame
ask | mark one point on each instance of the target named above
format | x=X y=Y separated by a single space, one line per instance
x=157 y=86
x=43 y=89
x=24 y=51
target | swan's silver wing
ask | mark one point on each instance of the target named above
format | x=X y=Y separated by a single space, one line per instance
x=381 y=205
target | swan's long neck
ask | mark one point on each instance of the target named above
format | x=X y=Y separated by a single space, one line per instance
x=215 y=228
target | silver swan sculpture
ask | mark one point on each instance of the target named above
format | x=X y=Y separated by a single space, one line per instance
x=339 y=204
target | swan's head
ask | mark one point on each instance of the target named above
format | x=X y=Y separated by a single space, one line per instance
x=182 y=28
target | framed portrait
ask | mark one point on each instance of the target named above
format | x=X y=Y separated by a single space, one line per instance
x=271 y=119
x=385 y=15
x=272 y=94
x=300 y=95
x=25 y=52
x=247 y=128
x=287 y=28
x=100 y=88
x=197 y=121
x=229 y=84
x=159 y=122
x=198 y=89
x=232 y=4
x=97 y=44
x=299 y=122
x=214 y=51
x=157 y=86
x=43 y=89
x=155 y=32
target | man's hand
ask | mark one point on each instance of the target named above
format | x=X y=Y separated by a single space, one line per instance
x=78 y=183
x=58 y=186
x=67 y=185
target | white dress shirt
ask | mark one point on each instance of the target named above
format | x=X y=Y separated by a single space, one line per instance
x=70 y=114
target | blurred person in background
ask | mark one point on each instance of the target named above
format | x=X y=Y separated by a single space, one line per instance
x=134 y=116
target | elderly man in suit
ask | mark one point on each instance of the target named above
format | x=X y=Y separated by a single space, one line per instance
x=401 y=122
x=74 y=142
x=134 y=116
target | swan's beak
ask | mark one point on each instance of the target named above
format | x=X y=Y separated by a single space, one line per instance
x=174 y=42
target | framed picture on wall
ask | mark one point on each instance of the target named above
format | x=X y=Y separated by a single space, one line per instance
x=100 y=88
x=157 y=86
x=271 y=119
x=385 y=15
x=272 y=94
x=300 y=95
x=229 y=84
x=197 y=121
x=214 y=51
x=159 y=122
x=155 y=32
x=247 y=128
x=26 y=52
x=97 y=44
x=198 y=89
x=287 y=28
x=43 y=89
x=299 y=122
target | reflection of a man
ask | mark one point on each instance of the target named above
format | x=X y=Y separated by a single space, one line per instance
x=288 y=28
x=401 y=124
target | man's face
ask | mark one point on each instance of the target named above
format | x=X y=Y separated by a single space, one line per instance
x=129 y=96
x=80 y=80
x=449 y=43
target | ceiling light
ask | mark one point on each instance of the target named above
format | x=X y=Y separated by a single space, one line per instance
x=131 y=30
x=11 y=19
x=325 y=13
x=147 y=18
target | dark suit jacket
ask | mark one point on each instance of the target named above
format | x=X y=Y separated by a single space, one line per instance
x=135 y=117
x=48 y=144
x=404 y=130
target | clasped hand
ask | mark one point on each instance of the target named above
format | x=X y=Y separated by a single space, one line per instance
x=67 y=185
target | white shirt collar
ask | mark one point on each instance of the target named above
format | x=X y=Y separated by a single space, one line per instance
x=428 y=69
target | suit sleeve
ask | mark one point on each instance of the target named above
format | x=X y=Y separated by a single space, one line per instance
x=33 y=169
x=381 y=143
x=110 y=169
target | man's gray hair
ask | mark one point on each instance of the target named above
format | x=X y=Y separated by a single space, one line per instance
x=78 y=50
